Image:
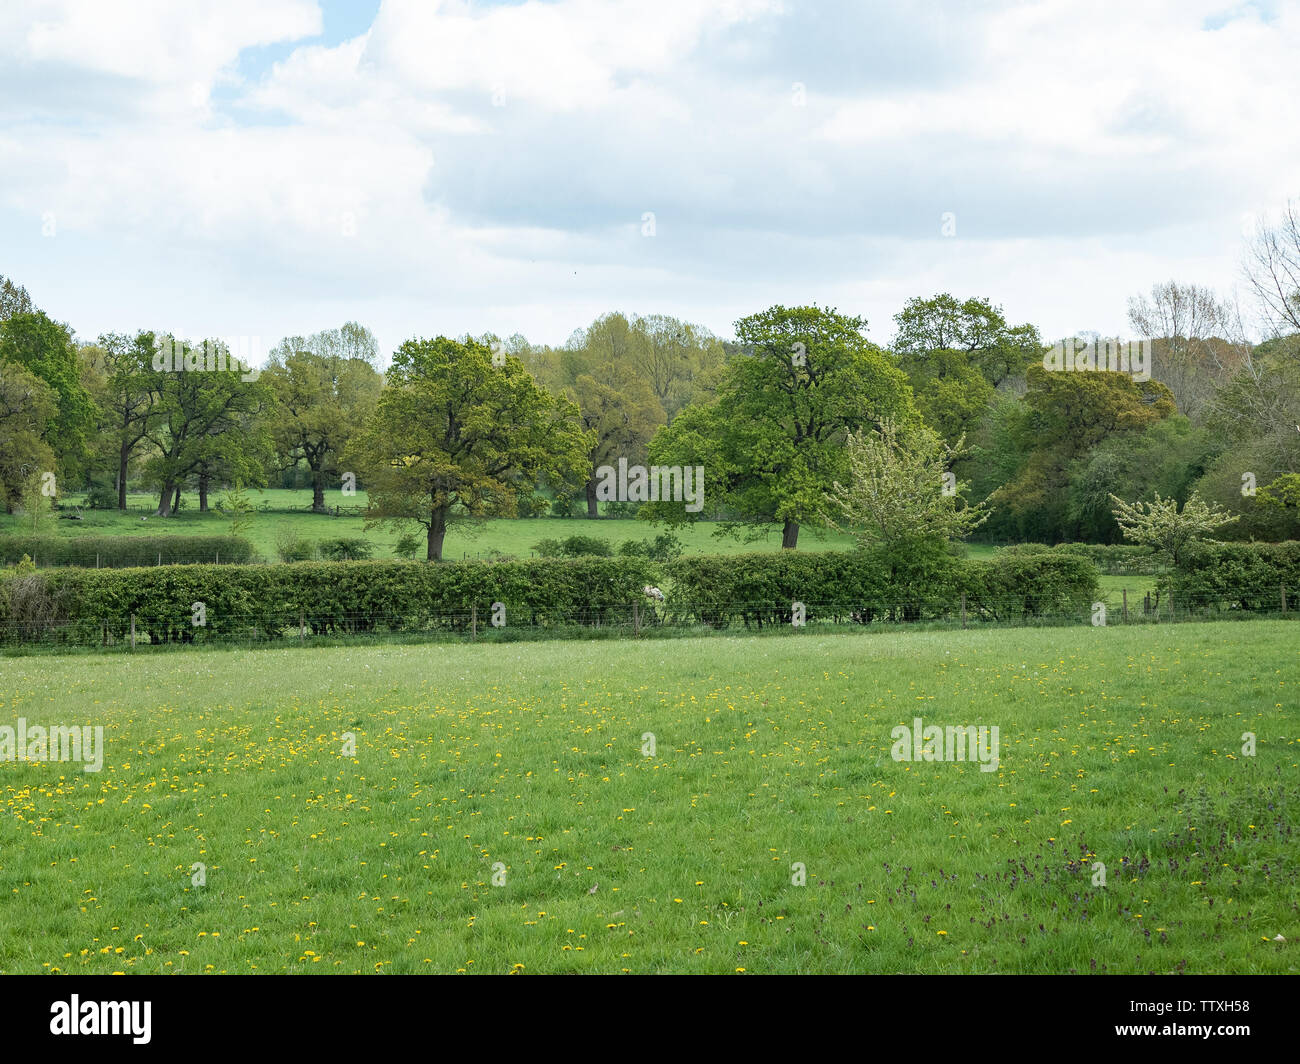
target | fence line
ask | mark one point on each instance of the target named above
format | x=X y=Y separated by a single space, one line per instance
x=175 y=624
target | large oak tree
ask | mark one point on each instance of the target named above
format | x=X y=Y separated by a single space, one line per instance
x=772 y=442
x=453 y=434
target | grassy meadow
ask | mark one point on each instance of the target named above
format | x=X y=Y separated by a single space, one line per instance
x=525 y=761
x=279 y=511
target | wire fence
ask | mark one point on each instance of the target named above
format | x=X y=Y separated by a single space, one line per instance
x=185 y=624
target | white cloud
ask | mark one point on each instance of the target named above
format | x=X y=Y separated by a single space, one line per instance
x=461 y=168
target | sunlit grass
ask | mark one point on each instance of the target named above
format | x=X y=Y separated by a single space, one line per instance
x=1120 y=746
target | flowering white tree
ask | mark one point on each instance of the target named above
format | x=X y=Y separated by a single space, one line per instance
x=1161 y=525
x=897 y=492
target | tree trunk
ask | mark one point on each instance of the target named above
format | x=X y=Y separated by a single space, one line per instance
x=203 y=492
x=790 y=535
x=317 y=491
x=592 y=509
x=165 y=501
x=123 y=454
x=176 y=502
x=437 y=532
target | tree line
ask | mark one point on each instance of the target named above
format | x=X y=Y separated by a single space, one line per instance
x=787 y=419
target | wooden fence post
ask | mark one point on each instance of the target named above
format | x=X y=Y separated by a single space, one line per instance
x=636 y=619
x=133 y=631
x=1284 y=598
x=302 y=626
x=1124 y=591
x=473 y=621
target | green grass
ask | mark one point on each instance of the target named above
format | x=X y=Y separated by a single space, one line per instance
x=1117 y=745
x=290 y=511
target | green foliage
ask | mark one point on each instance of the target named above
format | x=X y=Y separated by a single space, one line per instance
x=580 y=546
x=577 y=546
x=869 y=585
x=290 y=546
x=772 y=442
x=27 y=408
x=270 y=601
x=408 y=545
x=206 y=422
x=1239 y=576
x=895 y=491
x=325 y=387
x=454 y=434
x=117 y=552
x=663 y=548
x=1114 y=559
x=1160 y=524
x=548 y=548
x=101 y=495
x=237 y=508
x=532 y=505
x=45 y=349
x=1065 y=416
x=930 y=329
x=344 y=549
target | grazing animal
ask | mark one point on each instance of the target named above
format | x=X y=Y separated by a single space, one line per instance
x=653 y=593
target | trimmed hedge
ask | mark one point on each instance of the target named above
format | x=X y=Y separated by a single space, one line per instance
x=120 y=552
x=864 y=586
x=87 y=606
x=1239 y=576
x=1114 y=559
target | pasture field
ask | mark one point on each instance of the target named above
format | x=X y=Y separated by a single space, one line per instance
x=1119 y=746
x=280 y=510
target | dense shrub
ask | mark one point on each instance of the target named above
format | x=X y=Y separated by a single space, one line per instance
x=548 y=548
x=869 y=585
x=117 y=552
x=344 y=549
x=1115 y=559
x=663 y=548
x=101 y=495
x=583 y=546
x=270 y=601
x=1118 y=559
x=574 y=547
x=1239 y=576
x=291 y=547
x=1030 y=586
x=408 y=545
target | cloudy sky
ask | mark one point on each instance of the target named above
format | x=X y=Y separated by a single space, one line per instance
x=268 y=167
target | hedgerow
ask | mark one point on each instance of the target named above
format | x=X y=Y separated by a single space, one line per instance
x=87 y=606
x=120 y=552
x=1115 y=559
x=1239 y=576
x=868 y=585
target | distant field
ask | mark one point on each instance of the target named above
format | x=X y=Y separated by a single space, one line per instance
x=280 y=511
x=1118 y=746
